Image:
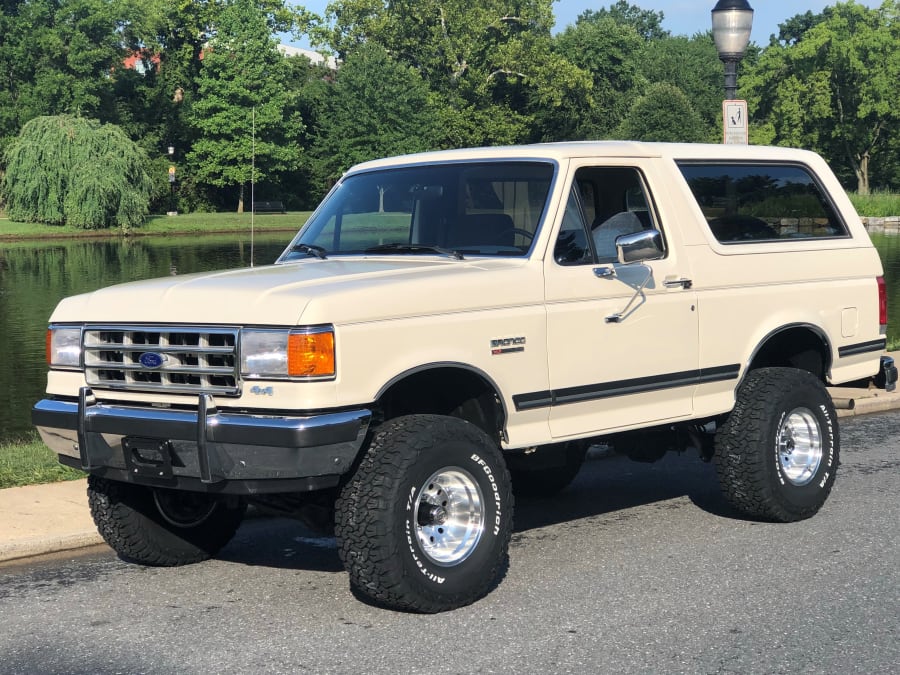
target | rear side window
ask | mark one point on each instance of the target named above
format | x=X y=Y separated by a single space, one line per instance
x=758 y=202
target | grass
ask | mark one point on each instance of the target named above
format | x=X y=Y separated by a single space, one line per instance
x=187 y=223
x=29 y=462
x=877 y=204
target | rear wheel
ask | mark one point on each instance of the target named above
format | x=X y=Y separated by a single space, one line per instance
x=156 y=526
x=778 y=453
x=424 y=522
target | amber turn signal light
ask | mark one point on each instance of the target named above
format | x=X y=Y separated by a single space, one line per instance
x=311 y=354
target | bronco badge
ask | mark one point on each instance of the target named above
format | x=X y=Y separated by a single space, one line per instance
x=507 y=345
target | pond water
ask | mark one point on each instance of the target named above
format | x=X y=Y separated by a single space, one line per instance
x=34 y=276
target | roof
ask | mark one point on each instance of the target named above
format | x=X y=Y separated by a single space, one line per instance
x=571 y=149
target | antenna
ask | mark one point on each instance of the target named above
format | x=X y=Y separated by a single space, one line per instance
x=252 y=181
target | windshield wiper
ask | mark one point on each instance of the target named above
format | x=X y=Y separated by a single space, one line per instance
x=415 y=248
x=310 y=249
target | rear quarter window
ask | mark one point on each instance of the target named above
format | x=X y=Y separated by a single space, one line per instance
x=760 y=202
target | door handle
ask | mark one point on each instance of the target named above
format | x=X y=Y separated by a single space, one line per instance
x=671 y=282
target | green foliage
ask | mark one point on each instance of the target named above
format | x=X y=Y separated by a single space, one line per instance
x=664 y=113
x=487 y=56
x=377 y=107
x=56 y=57
x=611 y=52
x=692 y=65
x=70 y=170
x=646 y=22
x=876 y=204
x=30 y=462
x=243 y=114
x=830 y=83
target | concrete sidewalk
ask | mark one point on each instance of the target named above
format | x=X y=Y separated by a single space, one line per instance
x=41 y=519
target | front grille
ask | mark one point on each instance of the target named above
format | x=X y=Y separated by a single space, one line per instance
x=156 y=358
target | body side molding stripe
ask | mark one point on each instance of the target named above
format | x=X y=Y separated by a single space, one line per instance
x=640 y=385
x=863 y=348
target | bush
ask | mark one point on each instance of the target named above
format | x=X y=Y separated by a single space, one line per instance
x=67 y=170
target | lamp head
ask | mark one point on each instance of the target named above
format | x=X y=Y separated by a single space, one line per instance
x=732 y=21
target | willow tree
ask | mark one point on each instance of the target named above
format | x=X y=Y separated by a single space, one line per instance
x=65 y=170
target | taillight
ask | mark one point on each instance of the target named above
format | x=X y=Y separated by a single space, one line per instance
x=882 y=304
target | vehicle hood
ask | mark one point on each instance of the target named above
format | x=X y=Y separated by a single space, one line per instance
x=312 y=291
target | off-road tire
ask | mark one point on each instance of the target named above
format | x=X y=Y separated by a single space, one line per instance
x=131 y=520
x=775 y=408
x=382 y=536
x=546 y=481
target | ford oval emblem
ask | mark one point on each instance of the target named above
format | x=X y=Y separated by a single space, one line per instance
x=151 y=359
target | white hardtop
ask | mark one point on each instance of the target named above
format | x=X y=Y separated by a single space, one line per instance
x=600 y=149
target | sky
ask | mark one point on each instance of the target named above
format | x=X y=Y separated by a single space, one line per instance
x=682 y=17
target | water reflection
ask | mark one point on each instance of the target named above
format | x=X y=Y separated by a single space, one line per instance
x=34 y=276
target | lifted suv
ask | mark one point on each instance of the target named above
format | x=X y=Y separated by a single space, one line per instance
x=449 y=328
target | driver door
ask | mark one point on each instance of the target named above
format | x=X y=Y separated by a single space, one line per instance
x=622 y=339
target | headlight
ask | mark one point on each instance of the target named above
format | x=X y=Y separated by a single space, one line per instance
x=64 y=346
x=301 y=353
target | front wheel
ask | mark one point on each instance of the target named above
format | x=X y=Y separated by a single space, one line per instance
x=777 y=454
x=424 y=522
x=160 y=527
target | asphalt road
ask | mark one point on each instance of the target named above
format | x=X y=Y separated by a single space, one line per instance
x=634 y=569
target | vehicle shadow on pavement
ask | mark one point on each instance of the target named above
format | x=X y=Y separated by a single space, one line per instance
x=608 y=486
x=282 y=543
x=614 y=484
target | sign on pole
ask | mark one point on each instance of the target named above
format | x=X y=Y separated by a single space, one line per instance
x=735 y=122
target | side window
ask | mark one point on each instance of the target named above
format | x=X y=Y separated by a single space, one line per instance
x=623 y=207
x=761 y=202
x=572 y=247
x=605 y=203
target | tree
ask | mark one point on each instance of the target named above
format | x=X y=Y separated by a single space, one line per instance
x=67 y=170
x=832 y=88
x=611 y=52
x=664 y=113
x=56 y=57
x=244 y=115
x=692 y=65
x=489 y=56
x=377 y=107
x=646 y=22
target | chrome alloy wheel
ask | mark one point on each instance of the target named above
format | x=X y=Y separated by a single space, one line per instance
x=449 y=516
x=800 y=446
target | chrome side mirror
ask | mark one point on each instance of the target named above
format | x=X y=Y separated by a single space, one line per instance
x=640 y=246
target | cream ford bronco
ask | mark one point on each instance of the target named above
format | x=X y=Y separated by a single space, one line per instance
x=453 y=327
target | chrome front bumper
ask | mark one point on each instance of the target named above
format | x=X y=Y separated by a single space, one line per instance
x=202 y=449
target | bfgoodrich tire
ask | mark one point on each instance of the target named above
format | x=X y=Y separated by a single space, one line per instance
x=424 y=522
x=160 y=527
x=777 y=455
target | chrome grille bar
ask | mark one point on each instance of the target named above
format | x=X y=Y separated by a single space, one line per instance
x=183 y=359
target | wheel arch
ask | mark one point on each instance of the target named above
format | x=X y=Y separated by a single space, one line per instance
x=446 y=388
x=804 y=346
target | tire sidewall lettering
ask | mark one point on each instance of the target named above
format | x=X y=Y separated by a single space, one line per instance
x=801 y=494
x=481 y=470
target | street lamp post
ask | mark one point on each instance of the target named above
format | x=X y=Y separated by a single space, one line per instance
x=732 y=21
x=171 y=151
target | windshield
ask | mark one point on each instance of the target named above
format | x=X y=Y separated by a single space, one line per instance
x=454 y=209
